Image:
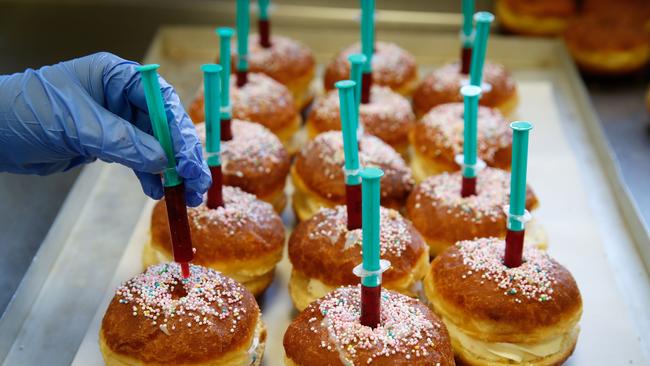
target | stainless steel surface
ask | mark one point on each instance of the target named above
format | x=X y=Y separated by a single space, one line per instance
x=539 y=66
x=64 y=29
x=29 y=205
x=576 y=115
x=71 y=271
x=621 y=106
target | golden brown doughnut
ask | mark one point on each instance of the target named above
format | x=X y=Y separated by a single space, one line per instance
x=535 y=17
x=323 y=253
x=443 y=86
x=609 y=43
x=262 y=100
x=626 y=8
x=288 y=61
x=328 y=333
x=443 y=216
x=318 y=178
x=497 y=315
x=388 y=116
x=392 y=66
x=438 y=137
x=157 y=318
x=244 y=239
x=255 y=161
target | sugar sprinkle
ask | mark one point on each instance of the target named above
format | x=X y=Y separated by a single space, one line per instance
x=391 y=64
x=285 y=60
x=449 y=79
x=387 y=113
x=394 y=234
x=404 y=329
x=444 y=126
x=372 y=153
x=239 y=209
x=532 y=280
x=493 y=190
x=208 y=295
x=253 y=146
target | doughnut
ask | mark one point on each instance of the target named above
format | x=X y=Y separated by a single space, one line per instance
x=262 y=100
x=443 y=216
x=609 y=43
x=287 y=61
x=323 y=253
x=255 y=161
x=438 y=137
x=392 y=66
x=627 y=8
x=535 y=17
x=388 y=116
x=318 y=179
x=243 y=239
x=527 y=315
x=443 y=86
x=159 y=319
x=328 y=333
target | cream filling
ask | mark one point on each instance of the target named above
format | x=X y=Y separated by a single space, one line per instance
x=318 y=289
x=250 y=357
x=423 y=167
x=612 y=59
x=518 y=352
x=160 y=256
x=417 y=289
x=242 y=276
x=418 y=168
x=253 y=350
x=305 y=205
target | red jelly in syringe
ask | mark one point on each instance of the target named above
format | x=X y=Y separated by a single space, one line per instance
x=179 y=227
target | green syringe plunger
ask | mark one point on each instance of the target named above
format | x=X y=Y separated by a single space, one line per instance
x=159 y=121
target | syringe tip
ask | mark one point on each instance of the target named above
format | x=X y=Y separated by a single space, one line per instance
x=185 y=269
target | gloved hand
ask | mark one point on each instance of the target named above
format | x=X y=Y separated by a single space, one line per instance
x=75 y=112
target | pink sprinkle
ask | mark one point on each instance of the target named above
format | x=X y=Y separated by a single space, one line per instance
x=240 y=209
x=404 y=329
x=533 y=279
x=285 y=59
x=391 y=64
x=448 y=77
x=493 y=191
x=251 y=145
x=262 y=97
x=390 y=112
x=394 y=235
x=262 y=100
x=372 y=152
x=209 y=293
x=444 y=126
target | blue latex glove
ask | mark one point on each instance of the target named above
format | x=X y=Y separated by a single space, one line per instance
x=75 y=112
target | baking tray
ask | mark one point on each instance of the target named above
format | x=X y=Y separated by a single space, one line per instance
x=555 y=174
x=56 y=320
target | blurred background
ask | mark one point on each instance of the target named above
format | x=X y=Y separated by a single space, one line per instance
x=41 y=32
